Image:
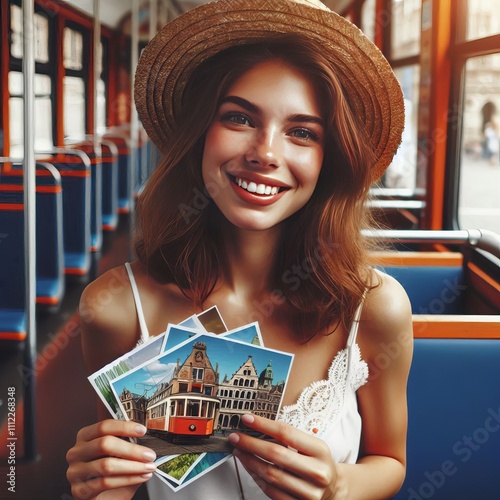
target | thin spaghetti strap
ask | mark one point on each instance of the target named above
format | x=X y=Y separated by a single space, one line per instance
x=351 y=340
x=138 y=304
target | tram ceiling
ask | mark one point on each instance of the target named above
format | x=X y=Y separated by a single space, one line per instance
x=112 y=12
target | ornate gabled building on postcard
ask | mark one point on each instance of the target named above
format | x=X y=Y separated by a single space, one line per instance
x=134 y=405
x=247 y=391
x=196 y=375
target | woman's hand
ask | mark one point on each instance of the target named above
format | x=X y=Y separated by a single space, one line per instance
x=291 y=465
x=105 y=466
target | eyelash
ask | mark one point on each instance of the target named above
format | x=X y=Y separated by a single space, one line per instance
x=237 y=118
x=234 y=116
x=311 y=136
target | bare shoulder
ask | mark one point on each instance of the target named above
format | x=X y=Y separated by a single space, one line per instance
x=108 y=318
x=387 y=313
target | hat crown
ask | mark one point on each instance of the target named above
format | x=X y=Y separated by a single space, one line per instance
x=317 y=4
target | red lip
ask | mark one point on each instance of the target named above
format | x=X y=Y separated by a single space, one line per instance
x=256 y=199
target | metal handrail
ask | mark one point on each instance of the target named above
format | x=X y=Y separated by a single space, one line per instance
x=482 y=239
x=397 y=204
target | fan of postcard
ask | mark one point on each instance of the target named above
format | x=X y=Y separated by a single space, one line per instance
x=190 y=386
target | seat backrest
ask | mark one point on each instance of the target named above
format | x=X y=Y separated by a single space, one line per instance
x=432 y=289
x=124 y=180
x=49 y=217
x=454 y=420
x=75 y=175
x=12 y=288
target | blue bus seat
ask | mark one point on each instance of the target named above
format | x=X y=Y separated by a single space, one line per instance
x=75 y=170
x=50 y=284
x=454 y=420
x=109 y=186
x=124 y=165
x=12 y=290
x=95 y=192
x=432 y=289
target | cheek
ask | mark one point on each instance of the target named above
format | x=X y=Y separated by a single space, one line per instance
x=311 y=165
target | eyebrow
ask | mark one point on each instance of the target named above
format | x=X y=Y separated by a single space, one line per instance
x=253 y=108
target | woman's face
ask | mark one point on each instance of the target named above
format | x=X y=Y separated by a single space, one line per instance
x=264 y=150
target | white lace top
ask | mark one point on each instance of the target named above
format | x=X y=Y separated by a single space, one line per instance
x=327 y=409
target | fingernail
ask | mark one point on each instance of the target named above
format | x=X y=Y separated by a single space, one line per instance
x=150 y=466
x=147 y=476
x=233 y=438
x=149 y=456
x=140 y=430
x=247 y=418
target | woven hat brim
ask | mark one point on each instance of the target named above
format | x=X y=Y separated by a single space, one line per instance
x=169 y=59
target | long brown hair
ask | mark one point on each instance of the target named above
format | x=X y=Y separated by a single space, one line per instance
x=178 y=239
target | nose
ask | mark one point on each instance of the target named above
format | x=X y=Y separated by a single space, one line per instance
x=265 y=149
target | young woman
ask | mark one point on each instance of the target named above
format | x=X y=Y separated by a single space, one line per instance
x=274 y=118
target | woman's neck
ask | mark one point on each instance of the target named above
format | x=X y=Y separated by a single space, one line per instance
x=249 y=260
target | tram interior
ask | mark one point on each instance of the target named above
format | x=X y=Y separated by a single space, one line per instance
x=85 y=191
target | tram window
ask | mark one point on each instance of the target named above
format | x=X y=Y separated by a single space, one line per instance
x=101 y=92
x=204 y=409
x=402 y=172
x=405 y=28
x=40 y=33
x=193 y=408
x=73 y=49
x=74 y=107
x=368 y=14
x=479 y=205
x=43 y=113
x=74 y=91
x=483 y=18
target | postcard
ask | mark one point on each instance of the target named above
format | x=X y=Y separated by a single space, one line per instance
x=100 y=380
x=212 y=320
x=195 y=393
x=175 y=334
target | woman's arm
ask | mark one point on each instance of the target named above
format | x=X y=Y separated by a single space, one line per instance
x=103 y=463
x=302 y=465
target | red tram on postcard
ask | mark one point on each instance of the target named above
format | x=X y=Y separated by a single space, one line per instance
x=183 y=415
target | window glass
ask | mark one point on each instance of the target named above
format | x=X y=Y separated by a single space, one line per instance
x=402 y=171
x=101 y=107
x=483 y=18
x=74 y=108
x=368 y=14
x=40 y=32
x=73 y=49
x=405 y=28
x=479 y=203
x=43 y=113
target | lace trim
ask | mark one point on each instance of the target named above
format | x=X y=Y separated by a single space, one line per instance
x=319 y=406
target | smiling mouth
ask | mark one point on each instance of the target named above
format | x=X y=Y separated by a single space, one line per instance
x=254 y=188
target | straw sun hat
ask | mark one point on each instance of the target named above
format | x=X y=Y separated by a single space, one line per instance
x=169 y=59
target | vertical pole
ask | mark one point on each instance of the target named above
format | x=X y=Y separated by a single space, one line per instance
x=153 y=18
x=97 y=68
x=29 y=180
x=134 y=119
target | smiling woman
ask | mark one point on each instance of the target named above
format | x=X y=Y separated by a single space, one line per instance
x=258 y=143
x=263 y=115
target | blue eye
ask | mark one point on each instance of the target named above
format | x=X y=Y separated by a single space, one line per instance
x=237 y=118
x=304 y=134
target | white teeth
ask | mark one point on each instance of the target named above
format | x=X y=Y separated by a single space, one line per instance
x=253 y=187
